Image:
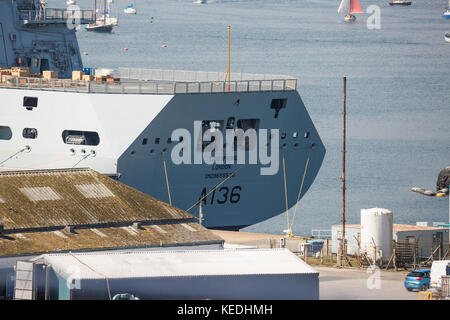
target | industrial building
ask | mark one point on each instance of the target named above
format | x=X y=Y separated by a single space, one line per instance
x=206 y=274
x=378 y=236
x=77 y=234
x=80 y=210
x=401 y=232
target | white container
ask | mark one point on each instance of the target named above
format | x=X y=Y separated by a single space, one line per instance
x=103 y=72
x=377 y=233
x=438 y=269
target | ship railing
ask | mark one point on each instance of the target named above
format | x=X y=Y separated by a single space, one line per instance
x=193 y=76
x=52 y=13
x=148 y=87
x=56 y=15
x=321 y=233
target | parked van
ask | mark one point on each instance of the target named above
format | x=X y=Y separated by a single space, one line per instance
x=438 y=269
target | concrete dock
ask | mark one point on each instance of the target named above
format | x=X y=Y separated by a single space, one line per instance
x=360 y=284
x=336 y=283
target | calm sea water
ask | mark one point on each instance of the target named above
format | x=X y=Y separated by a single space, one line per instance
x=398 y=97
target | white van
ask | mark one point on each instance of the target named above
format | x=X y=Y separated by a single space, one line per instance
x=438 y=269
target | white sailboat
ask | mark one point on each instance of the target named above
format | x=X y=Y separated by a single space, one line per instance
x=101 y=24
x=349 y=7
x=131 y=8
x=446 y=13
x=106 y=15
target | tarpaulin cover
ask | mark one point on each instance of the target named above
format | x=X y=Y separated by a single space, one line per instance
x=443 y=180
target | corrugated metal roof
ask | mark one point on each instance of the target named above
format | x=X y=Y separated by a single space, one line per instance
x=150 y=264
x=105 y=238
x=94 y=190
x=53 y=198
x=40 y=194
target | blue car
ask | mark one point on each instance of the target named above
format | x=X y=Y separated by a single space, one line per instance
x=418 y=279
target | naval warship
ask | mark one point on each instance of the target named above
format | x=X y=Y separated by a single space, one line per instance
x=123 y=126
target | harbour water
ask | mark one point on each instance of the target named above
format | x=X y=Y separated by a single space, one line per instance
x=398 y=103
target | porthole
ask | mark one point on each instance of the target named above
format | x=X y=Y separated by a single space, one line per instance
x=78 y=137
x=30 y=133
x=5 y=133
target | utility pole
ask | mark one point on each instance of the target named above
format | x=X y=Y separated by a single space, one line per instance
x=229 y=57
x=343 y=244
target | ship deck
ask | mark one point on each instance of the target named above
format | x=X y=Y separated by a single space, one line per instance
x=163 y=82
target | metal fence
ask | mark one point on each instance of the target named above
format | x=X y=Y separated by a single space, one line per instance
x=445 y=281
x=148 y=87
x=321 y=233
x=51 y=14
x=194 y=76
x=405 y=254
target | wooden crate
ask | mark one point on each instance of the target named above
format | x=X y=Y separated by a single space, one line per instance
x=20 y=73
x=50 y=74
x=77 y=75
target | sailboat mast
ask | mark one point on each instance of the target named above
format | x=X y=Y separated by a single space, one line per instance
x=95 y=10
x=104 y=12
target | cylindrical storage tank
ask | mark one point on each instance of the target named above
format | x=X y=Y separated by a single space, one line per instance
x=376 y=233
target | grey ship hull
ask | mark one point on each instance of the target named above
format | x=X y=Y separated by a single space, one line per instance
x=134 y=132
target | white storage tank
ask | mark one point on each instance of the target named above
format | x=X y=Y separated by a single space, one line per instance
x=376 y=232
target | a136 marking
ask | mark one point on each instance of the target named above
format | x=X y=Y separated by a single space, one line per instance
x=221 y=195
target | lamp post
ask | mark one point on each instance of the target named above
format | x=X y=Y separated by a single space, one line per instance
x=441 y=195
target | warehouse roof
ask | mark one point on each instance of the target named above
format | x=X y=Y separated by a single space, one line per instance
x=56 y=198
x=32 y=243
x=149 y=264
